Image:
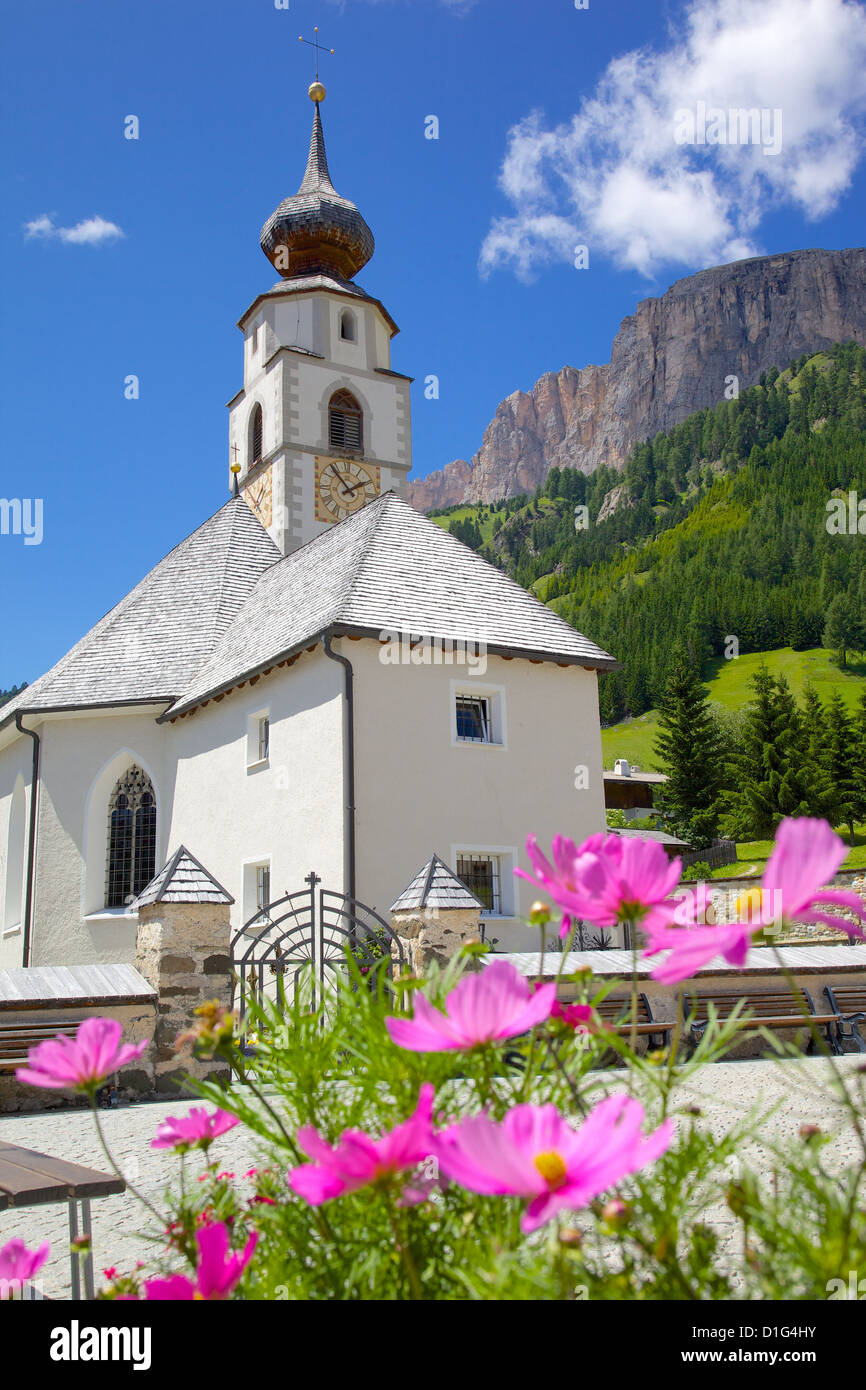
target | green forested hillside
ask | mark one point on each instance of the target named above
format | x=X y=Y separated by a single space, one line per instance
x=722 y=531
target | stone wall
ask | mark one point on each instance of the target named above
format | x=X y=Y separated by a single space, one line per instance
x=182 y=949
x=434 y=934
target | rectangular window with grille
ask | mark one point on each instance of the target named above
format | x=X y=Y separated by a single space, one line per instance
x=263 y=886
x=473 y=719
x=482 y=874
x=258 y=748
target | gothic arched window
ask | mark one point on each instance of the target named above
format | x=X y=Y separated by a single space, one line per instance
x=131 y=837
x=345 y=422
x=255 y=436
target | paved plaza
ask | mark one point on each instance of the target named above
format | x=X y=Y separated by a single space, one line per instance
x=725 y=1091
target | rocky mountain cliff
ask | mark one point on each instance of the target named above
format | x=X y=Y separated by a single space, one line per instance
x=670 y=358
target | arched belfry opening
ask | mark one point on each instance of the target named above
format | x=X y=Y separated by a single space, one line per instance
x=345 y=421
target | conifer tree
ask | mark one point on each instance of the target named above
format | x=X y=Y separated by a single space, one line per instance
x=689 y=748
x=840 y=763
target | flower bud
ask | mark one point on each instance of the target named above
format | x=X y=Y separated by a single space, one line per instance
x=539 y=914
x=570 y=1235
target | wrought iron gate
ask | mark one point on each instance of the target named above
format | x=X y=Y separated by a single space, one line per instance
x=300 y=942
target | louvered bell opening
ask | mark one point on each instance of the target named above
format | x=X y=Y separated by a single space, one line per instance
x=256 y=443
x=345 y=422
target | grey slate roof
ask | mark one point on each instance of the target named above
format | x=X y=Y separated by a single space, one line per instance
x=661 y=837
x=151 y=644
x=70 y=985
x=435 y=885
x=386 y=568
x=182 y=880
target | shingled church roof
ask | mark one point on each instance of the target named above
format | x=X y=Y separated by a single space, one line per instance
x=386 y=568
x=150 y=646
x=225 y=605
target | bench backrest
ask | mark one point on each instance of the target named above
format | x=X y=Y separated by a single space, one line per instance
x=616 y=1008
x=777 y=1003
x=847 y=999
x=16 y=1039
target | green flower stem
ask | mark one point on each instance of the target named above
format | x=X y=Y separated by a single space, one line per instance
x=163 y=1221
x=404 y=1248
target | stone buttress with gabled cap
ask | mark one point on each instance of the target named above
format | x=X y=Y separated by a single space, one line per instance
x=317 y=232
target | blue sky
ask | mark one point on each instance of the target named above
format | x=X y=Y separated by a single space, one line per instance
x=137 y=257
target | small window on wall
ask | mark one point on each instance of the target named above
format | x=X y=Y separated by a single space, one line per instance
x=473 y=719
x=347 y=326
x=263 y=886
x=256 y=433
x=257 y=889
x=345 y=422
x=482 y=874
x=478 y=714
x=258 y=739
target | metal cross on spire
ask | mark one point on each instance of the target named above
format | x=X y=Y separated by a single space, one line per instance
x=320 y=48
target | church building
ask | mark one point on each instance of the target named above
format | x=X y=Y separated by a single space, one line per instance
x=318 y=678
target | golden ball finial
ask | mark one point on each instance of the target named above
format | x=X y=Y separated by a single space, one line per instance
x=234 y=467
x=316 y=91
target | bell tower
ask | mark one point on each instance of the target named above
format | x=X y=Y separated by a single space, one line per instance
x=322 y=424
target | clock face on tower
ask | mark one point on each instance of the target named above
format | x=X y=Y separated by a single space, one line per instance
x=259 y=496
x=343 y=486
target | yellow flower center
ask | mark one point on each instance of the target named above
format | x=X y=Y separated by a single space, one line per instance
x=551 y=1166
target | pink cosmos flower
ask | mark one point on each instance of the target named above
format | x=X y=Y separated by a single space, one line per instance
x=497 y=1003
x=357 y=1160
x=607 y=879
x=806 y=854
x=576 y=1016
x=197 y=1130
x=18 y=1264
x=535 y=1153
x=219 y=1268
x=81 y=1063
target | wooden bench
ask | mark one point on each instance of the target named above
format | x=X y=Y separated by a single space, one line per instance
x=615 y=1013
x=17 y=1038
x=31 y=1179
x=769 y=1008
x=849 y=1005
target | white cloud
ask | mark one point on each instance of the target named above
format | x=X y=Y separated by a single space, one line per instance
x=615 y=178
x=92 y=231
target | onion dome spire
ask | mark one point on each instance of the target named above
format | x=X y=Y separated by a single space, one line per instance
x=316 y=231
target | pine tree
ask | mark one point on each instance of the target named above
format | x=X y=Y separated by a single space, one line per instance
x=840 y=763
x=774 y=777
x=689 y=749
x=859 y=732
x=843 y=629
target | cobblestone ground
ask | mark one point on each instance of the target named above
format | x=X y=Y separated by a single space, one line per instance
x=725 y=1091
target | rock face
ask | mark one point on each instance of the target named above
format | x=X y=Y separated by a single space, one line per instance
x=670 y=358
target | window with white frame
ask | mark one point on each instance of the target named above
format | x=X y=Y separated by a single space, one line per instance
x=257 y=888
x=258 y=738
x=482 y=874
x=478 y=714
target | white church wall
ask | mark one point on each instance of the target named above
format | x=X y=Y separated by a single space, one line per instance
x=286 y=812
x=420 y=792
x=82 y=759
x=15 y=771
